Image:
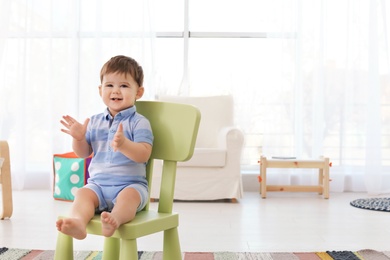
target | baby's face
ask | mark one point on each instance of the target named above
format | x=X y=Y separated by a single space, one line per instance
x=119 y=91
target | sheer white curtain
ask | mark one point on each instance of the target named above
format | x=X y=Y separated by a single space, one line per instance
x=336 y=98
x=317 y=84
x=51 y=53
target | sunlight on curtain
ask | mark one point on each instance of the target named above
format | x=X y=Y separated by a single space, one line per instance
x=336 y=102
x=51 y=53
x=317 y=85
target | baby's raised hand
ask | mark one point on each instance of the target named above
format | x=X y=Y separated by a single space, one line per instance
x=74 y=128
x=119 y=138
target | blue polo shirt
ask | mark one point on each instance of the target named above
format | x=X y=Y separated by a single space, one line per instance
x=100 y=132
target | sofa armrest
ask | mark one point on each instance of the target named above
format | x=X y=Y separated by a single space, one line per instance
x=230 y=138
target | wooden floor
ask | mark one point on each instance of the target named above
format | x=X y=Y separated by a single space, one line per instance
x=283 y=222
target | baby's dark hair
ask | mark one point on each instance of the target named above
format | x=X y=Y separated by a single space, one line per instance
x=123 y=64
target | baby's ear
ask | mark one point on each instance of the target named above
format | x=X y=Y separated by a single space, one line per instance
x=100 y=90
x=140 y=92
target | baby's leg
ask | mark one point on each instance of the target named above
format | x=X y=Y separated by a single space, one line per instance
x=82 y=210
x=124 y=211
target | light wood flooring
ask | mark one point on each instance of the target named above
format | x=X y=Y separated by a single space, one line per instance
x=283 y=222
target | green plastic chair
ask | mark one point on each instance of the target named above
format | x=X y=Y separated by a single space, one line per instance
x=175 y=128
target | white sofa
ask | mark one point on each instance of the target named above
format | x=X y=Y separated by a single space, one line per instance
x=213 y=172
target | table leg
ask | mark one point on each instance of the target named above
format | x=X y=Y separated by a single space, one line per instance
x=321 y=180
x=326 y=178
x=263 y=177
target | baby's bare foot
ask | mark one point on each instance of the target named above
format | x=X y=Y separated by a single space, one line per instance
x=72 y=227
x=109 y=224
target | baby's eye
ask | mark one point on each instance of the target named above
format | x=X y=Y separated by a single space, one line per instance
x=109 y=86
x=124 y=86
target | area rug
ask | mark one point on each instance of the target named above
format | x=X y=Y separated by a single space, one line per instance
x=379 y=204
x=367 y=254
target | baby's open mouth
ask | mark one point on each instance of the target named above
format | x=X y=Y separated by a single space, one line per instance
x=116 y=99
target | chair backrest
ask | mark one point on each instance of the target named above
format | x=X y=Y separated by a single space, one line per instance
x=217 y=113
x=175 y=128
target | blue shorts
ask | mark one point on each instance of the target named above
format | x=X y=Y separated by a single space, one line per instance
x=107 y=188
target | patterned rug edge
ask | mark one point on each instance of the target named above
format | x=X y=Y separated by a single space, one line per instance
x=376 y=204
x=366 y=254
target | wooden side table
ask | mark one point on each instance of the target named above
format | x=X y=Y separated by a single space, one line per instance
x=322 y=164
x=5 y=180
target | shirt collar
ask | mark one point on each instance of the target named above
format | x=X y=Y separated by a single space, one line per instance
x=124 y=113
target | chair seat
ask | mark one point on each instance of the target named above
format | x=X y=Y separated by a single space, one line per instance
x=145 y=223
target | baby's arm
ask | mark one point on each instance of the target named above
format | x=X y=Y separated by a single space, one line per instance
x=77 y=131
x=81 y=148
x=138 y=152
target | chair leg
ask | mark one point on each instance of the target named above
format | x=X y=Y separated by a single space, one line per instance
x=129 y=249
x=64 y=247
x=111 y=248
x=5 y=181
x=171 y=248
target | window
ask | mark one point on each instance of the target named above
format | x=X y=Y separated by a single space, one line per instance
x=308 y=77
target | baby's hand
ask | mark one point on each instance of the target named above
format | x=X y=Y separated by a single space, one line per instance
x=74 y=128
x=119 y=138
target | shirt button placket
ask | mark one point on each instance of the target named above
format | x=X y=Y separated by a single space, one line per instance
x=110 y=138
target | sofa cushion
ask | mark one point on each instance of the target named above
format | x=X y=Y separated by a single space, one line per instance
x=206 y=157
